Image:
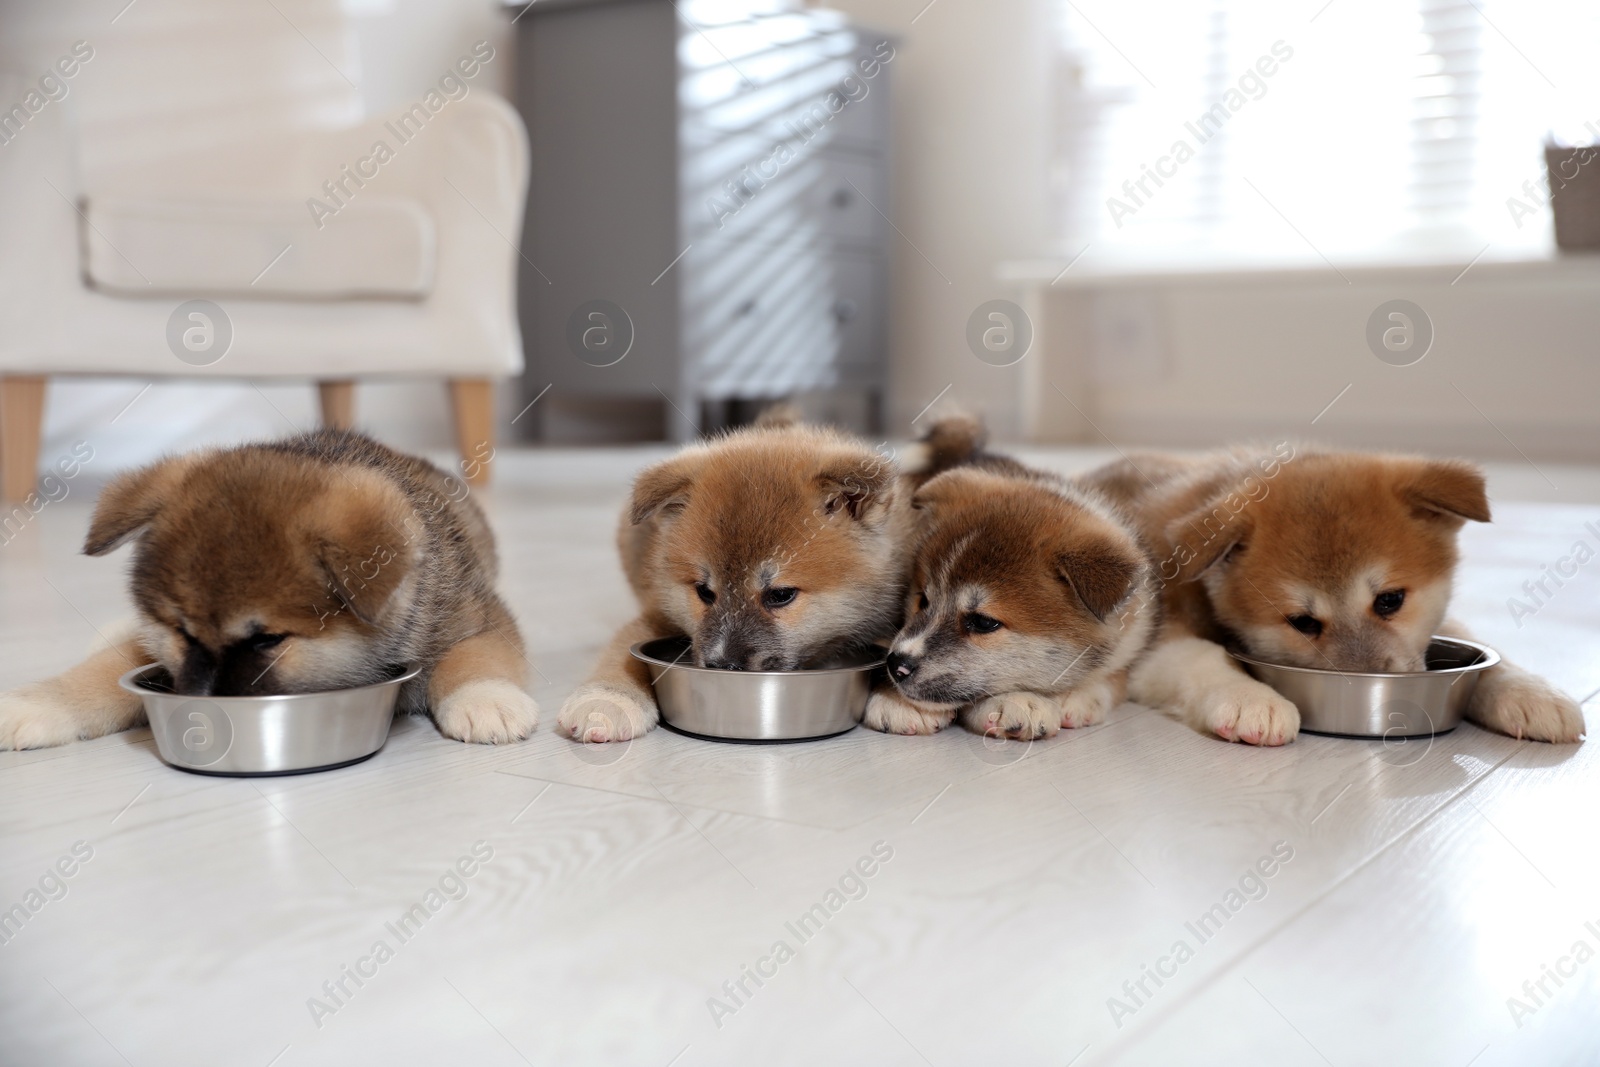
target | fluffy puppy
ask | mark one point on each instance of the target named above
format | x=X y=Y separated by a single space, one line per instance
x=772 y=548
x=319 y=562
x=1334 y=560
x=1029 y=599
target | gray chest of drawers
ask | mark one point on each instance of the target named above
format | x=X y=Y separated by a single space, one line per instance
x=706 y=204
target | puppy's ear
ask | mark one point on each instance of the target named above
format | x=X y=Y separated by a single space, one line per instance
x=1210 y=535
x=131 y=501
x=1448 y=488
x=1101 y=572
x=936 y=491
x=856 y=483
x=367 y=539
x=663 y=487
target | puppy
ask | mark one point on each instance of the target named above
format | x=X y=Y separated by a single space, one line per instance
x=319 y=562
x=1333 y=560
x=771 y=548
x=1029 y=599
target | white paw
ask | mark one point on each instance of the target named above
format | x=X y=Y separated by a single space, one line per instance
x=28 y=720
x=1527 y=707
x=890 y=713
x=1022 y=716
x=599 y=712
x=487 y=712
x=1249 y=711
x=1085 y=706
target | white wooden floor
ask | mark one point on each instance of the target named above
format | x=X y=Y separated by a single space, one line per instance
x=626 y=885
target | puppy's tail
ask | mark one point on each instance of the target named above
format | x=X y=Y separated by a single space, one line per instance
x=951 y=441
x=780 y=416
x=954 y=440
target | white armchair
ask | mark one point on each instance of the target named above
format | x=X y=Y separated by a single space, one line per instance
x=184 y=160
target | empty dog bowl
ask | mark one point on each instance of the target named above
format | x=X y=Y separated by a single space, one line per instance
x=248 y=736
x=723 y=705
x=1411 y=704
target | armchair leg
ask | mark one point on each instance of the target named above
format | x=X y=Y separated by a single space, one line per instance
x=472 y=402
x=338 y=399
x=21 y=422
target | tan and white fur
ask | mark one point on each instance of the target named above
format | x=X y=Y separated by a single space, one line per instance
x=1340 y=561
x=318 y=562
x=1029 y=600
x=772 y=548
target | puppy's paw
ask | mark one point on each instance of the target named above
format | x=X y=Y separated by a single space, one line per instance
x=599 y=712
x=1085 y=706
x=891 y=713
x=1251 y=712
x=1020 y=716
x=1527 y=707
x=489 y=711
x=29 y=719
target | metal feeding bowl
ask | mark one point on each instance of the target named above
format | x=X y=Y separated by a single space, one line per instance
x=755 y=706
x=1410 y=704
x=250 y=736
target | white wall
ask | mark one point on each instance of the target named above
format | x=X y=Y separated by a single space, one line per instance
x=1202 y=360
x=970 y=97
x=1512 y=372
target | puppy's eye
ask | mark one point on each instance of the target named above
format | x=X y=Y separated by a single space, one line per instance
x=981 y=624
x=1306 y=624
x=1388 y=602
x=922 y=601
x=777 y=598
x=703 y=591
x=262 y=642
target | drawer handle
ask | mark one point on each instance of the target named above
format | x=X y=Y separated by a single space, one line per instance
x=844 y=311
x=841 y=197
x=745 y=309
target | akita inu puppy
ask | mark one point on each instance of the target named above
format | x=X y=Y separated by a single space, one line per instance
x=1338 y=561
x=319 y=562
x=1029 y=599
x=772 y=547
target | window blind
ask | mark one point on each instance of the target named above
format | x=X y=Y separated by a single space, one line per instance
x=1353 y=130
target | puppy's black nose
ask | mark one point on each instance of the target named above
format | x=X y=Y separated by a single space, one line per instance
x=724 y=664
x=901 y=666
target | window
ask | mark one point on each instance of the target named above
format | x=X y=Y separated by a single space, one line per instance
x=1352 y=130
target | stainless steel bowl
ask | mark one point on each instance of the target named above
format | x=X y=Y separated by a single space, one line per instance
x=249 y=736
x=757 y=705
x=1412 y=704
